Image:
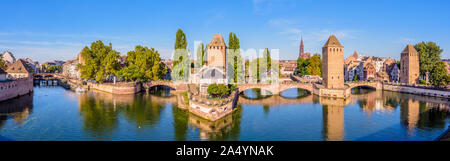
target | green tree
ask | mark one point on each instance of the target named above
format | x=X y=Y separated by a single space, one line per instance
x=235 y=60
x=429 y=54
x=301 y=67
x=143 y=64
x=3 y=64
x=218 y=90
x=181 y=60
x=356 y=78
x=201 y=57
x=180 y=42
x=310 y=66
x=267 y=59
x=53 y=68
x=100 y=61
x=314 y=65
x=439 y=75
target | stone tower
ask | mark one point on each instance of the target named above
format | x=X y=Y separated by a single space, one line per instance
x=409 y=65
x=216 y=52
x=333 y=64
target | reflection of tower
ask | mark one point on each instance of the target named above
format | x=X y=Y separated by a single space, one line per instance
x=333 y=63
x=333 y=118
x=333 y=122
x=410 y=113
x=221 y=129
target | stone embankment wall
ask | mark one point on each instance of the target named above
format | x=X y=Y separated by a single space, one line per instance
x=214 y=112
x=333 y=93
x=419 y=91
x=13 y=88
x=118 y=88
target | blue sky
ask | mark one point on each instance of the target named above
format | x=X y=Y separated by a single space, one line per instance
x=52 y=29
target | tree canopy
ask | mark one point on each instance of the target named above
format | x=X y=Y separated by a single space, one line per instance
x=101 y=61
x=235 y=61
x=310 y=66
x=181 y=60
x=201 y=56
x=143 y=63
x=429 y=54
x=439 y=75
x=430 y=62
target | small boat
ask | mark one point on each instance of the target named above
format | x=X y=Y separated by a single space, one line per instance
x=79 y=90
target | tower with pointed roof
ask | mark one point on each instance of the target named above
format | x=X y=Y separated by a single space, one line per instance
x=302 y=50
x=216 y=52
x=302 y=53
x=409 y=65
x=333 y=64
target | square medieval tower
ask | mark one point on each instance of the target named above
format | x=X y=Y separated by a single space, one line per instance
x=333 y=64
x=409 y=65
x=216 y=52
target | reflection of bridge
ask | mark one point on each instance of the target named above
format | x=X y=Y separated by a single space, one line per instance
x=276 y=100
x=278 y=88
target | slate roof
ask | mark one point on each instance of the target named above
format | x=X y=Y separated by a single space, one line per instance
x=409 y=49
x=333 y=42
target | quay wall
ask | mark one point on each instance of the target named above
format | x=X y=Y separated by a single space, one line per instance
x=214 y=112
x=119 y=88
x=333 y=93
x=14 y=88
x=418 y=91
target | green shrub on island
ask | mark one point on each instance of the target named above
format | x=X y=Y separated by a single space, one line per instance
x=220 y=90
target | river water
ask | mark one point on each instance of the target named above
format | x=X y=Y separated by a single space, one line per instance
x=53 y=113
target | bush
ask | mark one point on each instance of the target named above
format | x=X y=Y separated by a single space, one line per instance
x=218 y=90
x=423 y=82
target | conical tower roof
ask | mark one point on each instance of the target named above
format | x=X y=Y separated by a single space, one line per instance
x=333 y=42
x=409 y=49
x=355 y=54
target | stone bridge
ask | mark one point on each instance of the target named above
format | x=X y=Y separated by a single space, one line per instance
x=46 y=76
x=276 y=88
x=173 y=85
x=376 y=85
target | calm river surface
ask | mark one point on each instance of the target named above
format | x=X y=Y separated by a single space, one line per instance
x=53 y=113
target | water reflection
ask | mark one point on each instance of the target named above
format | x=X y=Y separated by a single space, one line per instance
x=294 y=93
x=18 y=109
x=366 y=115
x=333 y=118
x=100 y=111
x=227 y=128
x=256 y=93
x=163 y=91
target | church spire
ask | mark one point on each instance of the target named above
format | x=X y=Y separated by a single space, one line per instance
x=302 y=51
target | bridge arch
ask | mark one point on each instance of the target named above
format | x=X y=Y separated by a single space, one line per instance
x=164 y=86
